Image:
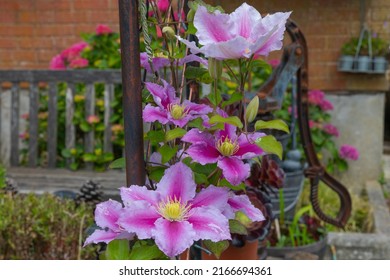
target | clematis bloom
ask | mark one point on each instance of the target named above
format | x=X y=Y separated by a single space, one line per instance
x=106 y=216
x=160 y=62
x=225 y=148
x=169 y=109
x=242 y=33
x=175 y=215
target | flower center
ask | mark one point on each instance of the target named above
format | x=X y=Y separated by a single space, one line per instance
x=227 y=147
x=174 y=210
x=177 y=111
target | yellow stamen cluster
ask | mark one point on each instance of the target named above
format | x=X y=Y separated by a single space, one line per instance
x=227 y=147
x=177 y=111
x=174 y=210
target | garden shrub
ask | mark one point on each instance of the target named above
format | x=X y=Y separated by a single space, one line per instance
x=43 y=227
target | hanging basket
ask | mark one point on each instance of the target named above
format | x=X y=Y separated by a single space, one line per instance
x=363 y=63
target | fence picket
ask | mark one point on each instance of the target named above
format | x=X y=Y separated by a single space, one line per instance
x=70 y=133
x=108 y=99
x=89 y=137
x=33 y=126
x=52 y=126
x=15 y=100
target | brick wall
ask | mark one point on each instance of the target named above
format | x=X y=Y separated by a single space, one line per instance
x=32 y=31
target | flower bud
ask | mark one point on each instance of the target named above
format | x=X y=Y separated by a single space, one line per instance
x=190 y=15
x=215 y=68
x=252 y=109
x=169 y=32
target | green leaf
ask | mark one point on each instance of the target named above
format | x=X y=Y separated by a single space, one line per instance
x=155 y=136
x=118 y=163
x=342 y=165
x=236 y=227
x=215 y=99
x=216 y=248
x=66 y=153
x=74 y=166
x=156 y=172
x=85 y=127
x=235 y=97
x=270 y=145
x=273 y=124
x=175 y=133
x=197 y=123
x=225 y=183
x=89 y=157
x=230 y=120
x=167 y=153
x=100 y=127
x=118 y=250
x=252 y=109
x=195 y=73
x=200 y=178
x=108 y=157
x=146 y=252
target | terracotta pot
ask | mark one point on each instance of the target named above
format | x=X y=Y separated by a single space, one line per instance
x=248 y=252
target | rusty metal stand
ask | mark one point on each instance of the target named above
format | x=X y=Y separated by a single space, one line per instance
x=132 y=98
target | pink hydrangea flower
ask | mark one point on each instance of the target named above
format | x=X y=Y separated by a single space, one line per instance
x=93 y=119
x=73 y=51
x=349 y=152
x=316 y=97
x=57 y=63
x=102 y=29
x=106 y=216
x=331 y=129
x=326 y=105
x=225 y=148
x=242 y=33
x=169 y=109
x=79 y=63
x=175 y=215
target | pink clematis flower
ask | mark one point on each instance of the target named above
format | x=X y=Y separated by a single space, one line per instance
x=175 y=215
x=106 y=216
x=242 y=33
x=163 y=5
x=169 y=109
x=225 y=148
x=160 y=62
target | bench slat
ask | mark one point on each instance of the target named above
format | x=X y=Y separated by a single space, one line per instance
x=52 y=126
x=70 y=137
x=89 y=137
x=15 y=100
x=108 y=99
x=33 y=126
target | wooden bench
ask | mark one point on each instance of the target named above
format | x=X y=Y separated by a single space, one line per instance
x=50 y=178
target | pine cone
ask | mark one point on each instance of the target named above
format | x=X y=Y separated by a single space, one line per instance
x=11 y=186
x=90 y=193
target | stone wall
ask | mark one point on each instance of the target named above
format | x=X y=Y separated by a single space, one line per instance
x=359 y=117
